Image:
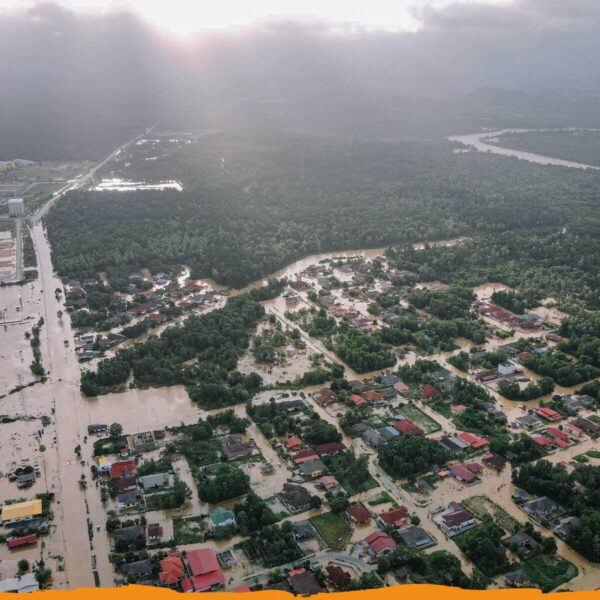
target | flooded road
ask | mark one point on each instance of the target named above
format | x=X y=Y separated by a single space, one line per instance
x=59 y=398
x=480 y=141
x=156 y=408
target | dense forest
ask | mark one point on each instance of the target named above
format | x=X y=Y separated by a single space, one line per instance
x=202 y=354
x=254 y=203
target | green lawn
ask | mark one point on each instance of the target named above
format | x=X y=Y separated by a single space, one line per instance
x=549 y=573
x=188 y=530
x=417 y=416
x=482 y=505
x=334 y=529
x=382 y=498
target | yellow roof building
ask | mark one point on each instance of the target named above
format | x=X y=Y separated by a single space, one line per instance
x=22 y=510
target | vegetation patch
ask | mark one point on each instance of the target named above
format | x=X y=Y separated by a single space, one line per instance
x=335 y=530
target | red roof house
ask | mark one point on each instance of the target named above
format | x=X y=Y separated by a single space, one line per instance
x=380 y=544
x=407 y=427
x=327 y=482
x=305 y=455
x=329 y=448
x=402 y=388
x=171 y=570
x=373 y=396
x=359 y=513
x=429 y=392
x=548 y=414
x=338 y=577
x=458 y=409
x=472 y=440
x=23 y=540
x=555 y=432
x=357 y=400
x=206 y=573
x=293 y=443
x=543 y=441
x=574 y=430
x=125 y=468
x=398 y=517
x=462 y=473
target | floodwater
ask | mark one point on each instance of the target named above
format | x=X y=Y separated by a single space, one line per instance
x=123 y=185
x=480 y=141
x=155 y=408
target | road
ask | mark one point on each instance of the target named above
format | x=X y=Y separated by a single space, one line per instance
x=75 y=506
x=19 y=249
x=86 y=177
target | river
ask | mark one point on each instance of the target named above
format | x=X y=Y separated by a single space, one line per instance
x=480 y=141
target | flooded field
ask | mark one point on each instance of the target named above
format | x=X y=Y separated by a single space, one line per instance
x=123 y=185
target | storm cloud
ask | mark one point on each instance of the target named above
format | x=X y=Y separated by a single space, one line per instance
x=65 y=71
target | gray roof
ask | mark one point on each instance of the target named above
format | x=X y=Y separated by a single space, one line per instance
x=295 y=496
x=128 y=533
x=311 y=467
x=138 y=568
x=540 y=506
x=156 y=480
x=372 y=438
x=517 y=578
x=415 y=537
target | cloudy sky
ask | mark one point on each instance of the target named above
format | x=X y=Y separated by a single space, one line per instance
x=185 y=17
x=222 y=59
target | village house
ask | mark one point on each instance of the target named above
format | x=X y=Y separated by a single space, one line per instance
x=548 y=414
x=380 y=544
x=293 y=444
x=221 y=517
x=172 y=570
x=428 y=392
x=19 y=512
x=589 y=427
x=358 y=513
x=306 y=455
x=330 y=448
x=416 y=537
x=462 y=473
x=327 y=483
x=303 y=582
x=473 y=441
x=137 y=569
x=396 y=518
x=387 y=433
x=233 y=448
x=402 y=388
x=408 y=428
x=540 y=507
x=338 y=578
x=453 y=445
x=155 y=481
x=522 y=544
x=372 y=438
x=126 y=468
x=205 y=572
x=455 y=520
x=324 y=397
x=312 y=469
x=295 y=497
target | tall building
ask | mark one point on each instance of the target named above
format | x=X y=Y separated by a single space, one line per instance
x=16 y=207
x=11 y=188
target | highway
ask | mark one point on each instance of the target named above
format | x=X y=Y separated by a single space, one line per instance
x=86 y=177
